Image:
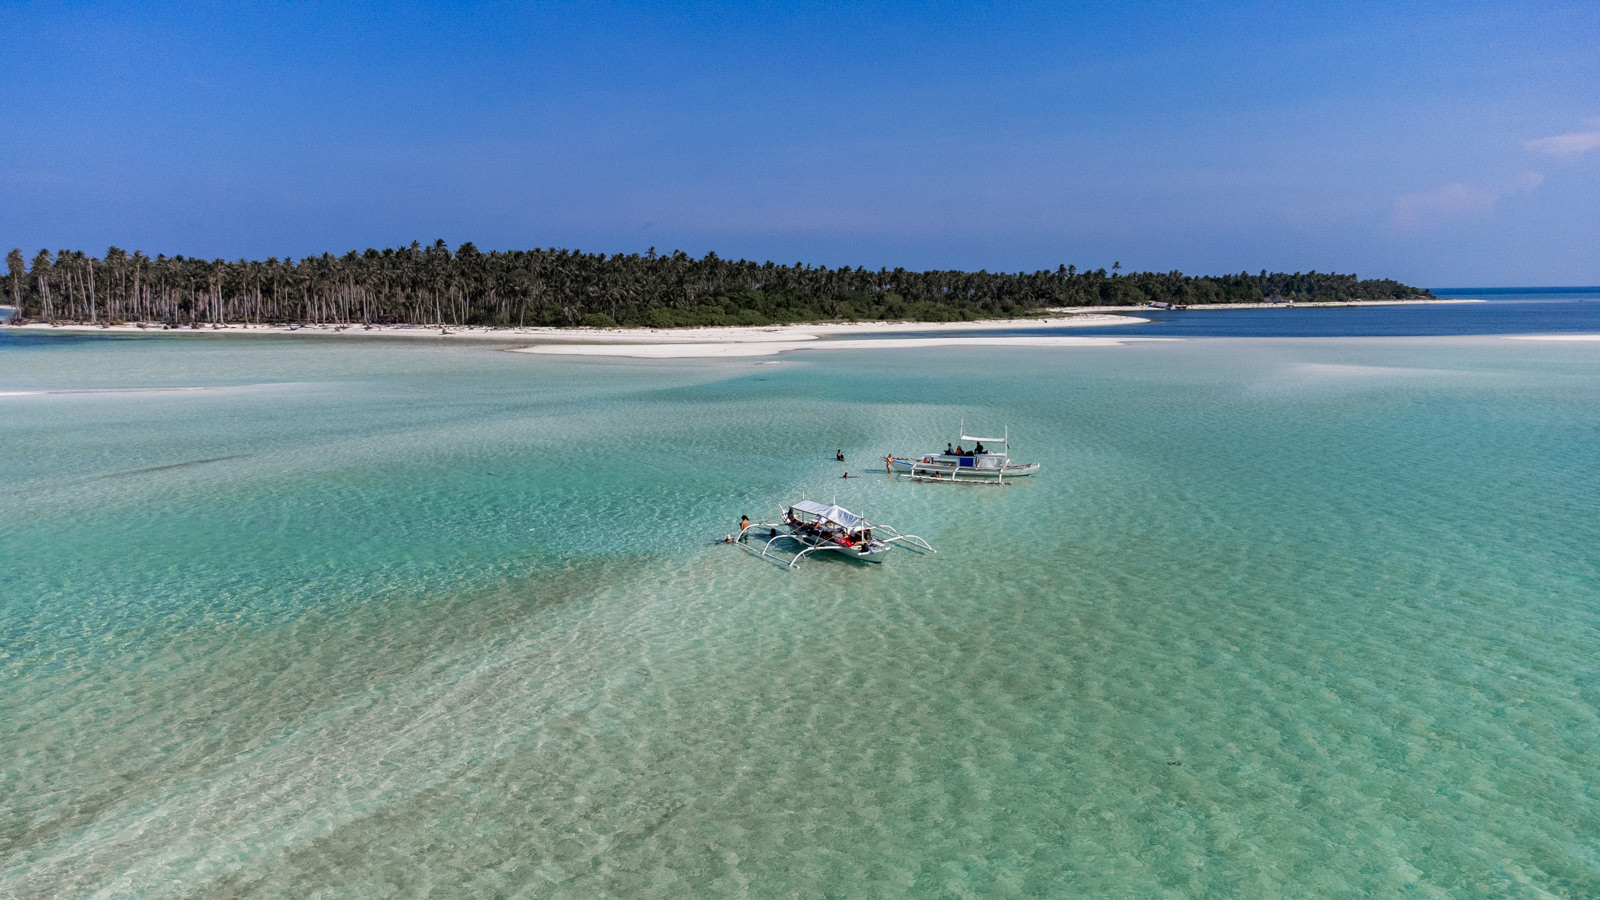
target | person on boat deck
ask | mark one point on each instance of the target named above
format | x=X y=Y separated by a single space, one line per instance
x=978 y=449
x=959 y=451
x=947 y=450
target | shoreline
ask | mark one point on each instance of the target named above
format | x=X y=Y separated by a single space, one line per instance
x=1058 y=317
x=717 y=333
x=731 y=342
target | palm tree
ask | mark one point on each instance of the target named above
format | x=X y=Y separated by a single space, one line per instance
x=41 y=278
x=140 y=264
x=15 y=267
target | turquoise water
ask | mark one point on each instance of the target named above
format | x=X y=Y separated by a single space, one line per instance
x=1278 y=617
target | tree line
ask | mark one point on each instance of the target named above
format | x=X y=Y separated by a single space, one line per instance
x=431 y=285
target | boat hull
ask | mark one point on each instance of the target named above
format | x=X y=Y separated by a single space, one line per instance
x=787 y=542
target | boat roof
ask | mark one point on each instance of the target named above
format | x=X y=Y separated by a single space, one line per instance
x=838 y=515
x=968 y=437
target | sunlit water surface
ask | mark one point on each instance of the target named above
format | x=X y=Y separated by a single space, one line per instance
x=1278 y=617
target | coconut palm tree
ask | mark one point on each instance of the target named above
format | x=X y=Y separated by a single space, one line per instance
x=16 y=267
x=42 y=266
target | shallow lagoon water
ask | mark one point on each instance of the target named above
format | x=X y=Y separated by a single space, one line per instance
x=1278 y=617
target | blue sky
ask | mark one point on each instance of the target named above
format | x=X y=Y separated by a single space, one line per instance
x=1441 y=144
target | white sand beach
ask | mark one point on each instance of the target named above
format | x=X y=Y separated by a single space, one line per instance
x=668 y=343
x=729 y=334
x=733 y=341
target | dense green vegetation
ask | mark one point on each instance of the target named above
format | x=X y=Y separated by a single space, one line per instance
x=432 y=285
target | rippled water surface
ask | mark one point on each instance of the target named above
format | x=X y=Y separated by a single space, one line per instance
x=1278 y=617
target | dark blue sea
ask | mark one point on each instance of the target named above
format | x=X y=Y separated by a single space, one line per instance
x=1563 y=310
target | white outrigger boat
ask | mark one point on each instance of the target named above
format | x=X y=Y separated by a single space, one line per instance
x=979 y=465
x=816 y=526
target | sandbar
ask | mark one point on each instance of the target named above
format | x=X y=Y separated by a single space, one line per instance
x=733 y=348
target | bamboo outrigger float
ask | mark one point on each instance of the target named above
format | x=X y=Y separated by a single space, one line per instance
x=816 y=527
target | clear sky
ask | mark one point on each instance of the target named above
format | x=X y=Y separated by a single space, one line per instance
x=1441 y=144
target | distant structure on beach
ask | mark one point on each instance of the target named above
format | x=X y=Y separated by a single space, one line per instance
x=7 y=313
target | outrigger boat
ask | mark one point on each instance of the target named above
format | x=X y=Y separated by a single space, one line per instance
x=816 y=526
x=978 y=465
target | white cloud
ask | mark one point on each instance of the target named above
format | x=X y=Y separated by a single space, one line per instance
x=1455 y=203
x=1575 y=144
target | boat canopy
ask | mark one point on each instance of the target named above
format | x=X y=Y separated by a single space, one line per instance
x=999 y=440
x=838 y=515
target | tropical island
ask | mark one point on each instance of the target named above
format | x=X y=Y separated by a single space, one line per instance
x=432 y=285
